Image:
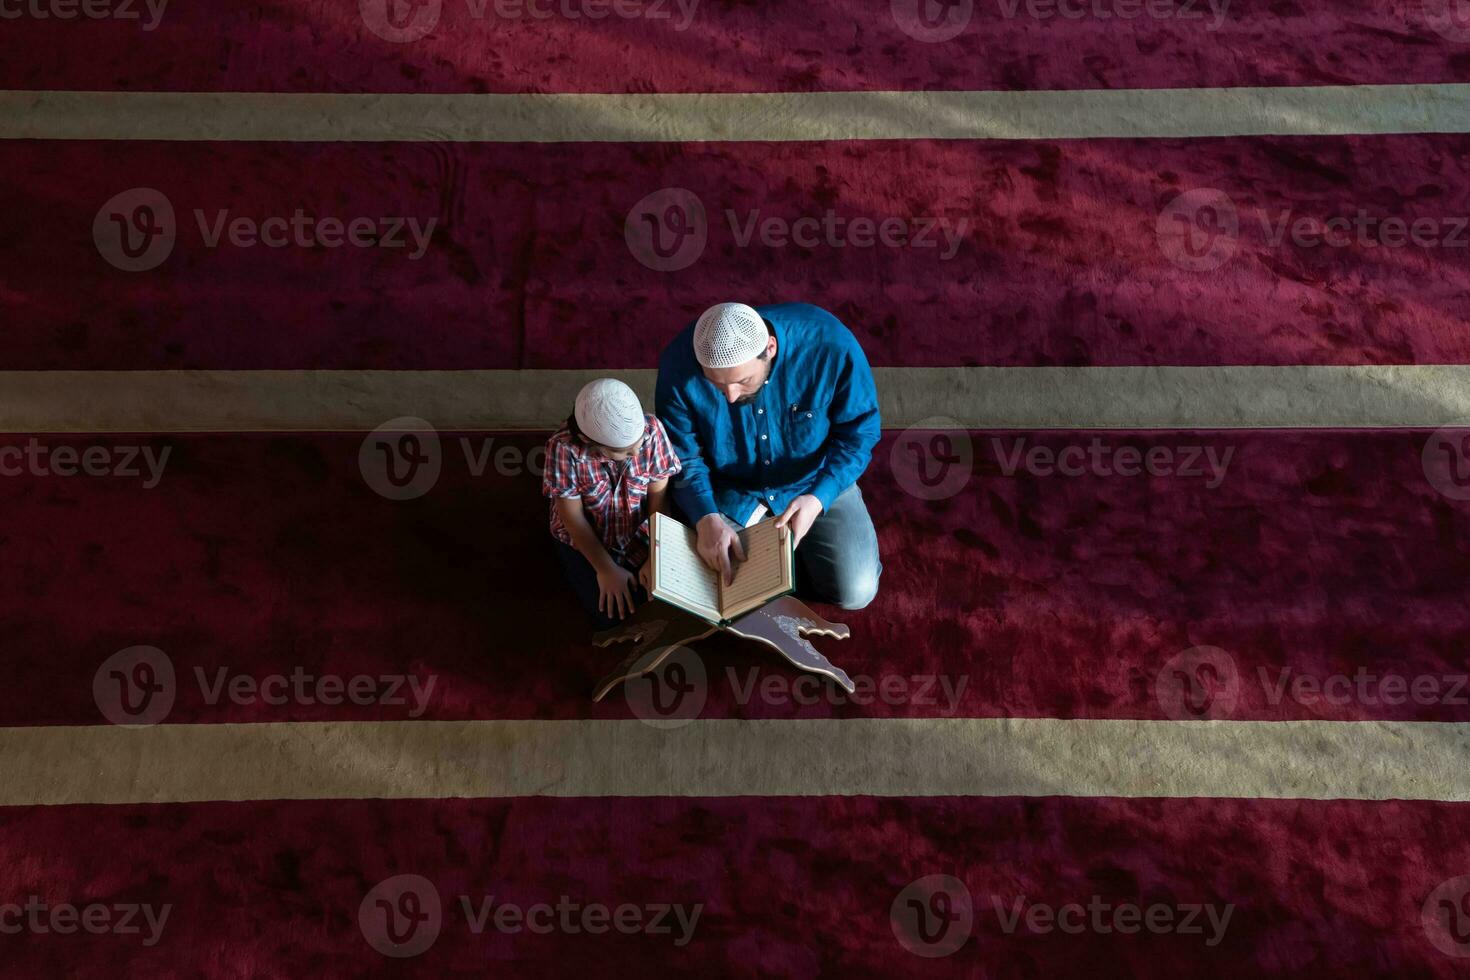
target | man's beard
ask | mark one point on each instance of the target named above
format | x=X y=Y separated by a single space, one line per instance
x=746 y=399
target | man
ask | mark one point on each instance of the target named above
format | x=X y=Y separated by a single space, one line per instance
x=772 y=410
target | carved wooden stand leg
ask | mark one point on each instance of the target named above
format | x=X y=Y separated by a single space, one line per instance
x=783 y=624
x=656 y=628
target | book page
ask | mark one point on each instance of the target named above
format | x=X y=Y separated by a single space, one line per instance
x=680 y=576
x=765 y=573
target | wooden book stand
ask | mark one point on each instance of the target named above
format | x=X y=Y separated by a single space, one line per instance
x=783 y=624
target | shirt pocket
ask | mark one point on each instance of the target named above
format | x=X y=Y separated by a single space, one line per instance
x=806 y=428
x=594 y=494
x=637 y=486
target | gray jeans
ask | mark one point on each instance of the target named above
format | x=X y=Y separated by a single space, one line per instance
x=837 y=561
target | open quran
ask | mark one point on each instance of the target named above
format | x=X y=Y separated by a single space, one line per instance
x=681 y=578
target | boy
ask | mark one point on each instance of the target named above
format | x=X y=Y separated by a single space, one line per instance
x=607 y=472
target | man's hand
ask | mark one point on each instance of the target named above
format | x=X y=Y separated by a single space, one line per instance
x=799 y=516
x=614 y=590
x=645 y=574
x=719 y=545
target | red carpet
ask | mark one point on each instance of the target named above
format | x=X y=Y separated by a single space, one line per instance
x=1058 y=261
x=1316 y=577
x=832 y=45
x=1031 y=596
x=787 y=887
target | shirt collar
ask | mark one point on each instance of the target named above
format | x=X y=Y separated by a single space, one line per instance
x=780 y=346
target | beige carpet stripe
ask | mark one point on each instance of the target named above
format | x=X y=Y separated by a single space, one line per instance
x=1416 y=396
x=718 y=758
x=1326 y=110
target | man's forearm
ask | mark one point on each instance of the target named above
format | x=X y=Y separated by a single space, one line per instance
x=695 y=497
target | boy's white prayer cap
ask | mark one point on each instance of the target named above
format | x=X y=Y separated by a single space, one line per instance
x=728 y=334
x=608 y=413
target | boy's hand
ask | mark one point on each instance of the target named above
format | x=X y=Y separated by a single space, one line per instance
x=799 y=516
x=614 y=590
x=645 y=575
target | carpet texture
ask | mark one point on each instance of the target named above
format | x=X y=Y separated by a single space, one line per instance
x=1304 y=575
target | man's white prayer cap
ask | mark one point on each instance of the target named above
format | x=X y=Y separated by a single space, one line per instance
x=608 y=413
x=728 y=334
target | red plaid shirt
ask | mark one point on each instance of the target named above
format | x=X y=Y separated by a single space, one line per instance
x=612 y=492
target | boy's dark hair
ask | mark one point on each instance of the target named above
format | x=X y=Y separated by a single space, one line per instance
x=576 y=430
x=583 y=437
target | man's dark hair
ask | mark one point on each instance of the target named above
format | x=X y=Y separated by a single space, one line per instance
x=770 y=332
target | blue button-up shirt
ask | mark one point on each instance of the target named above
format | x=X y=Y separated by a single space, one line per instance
x=810 y=429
